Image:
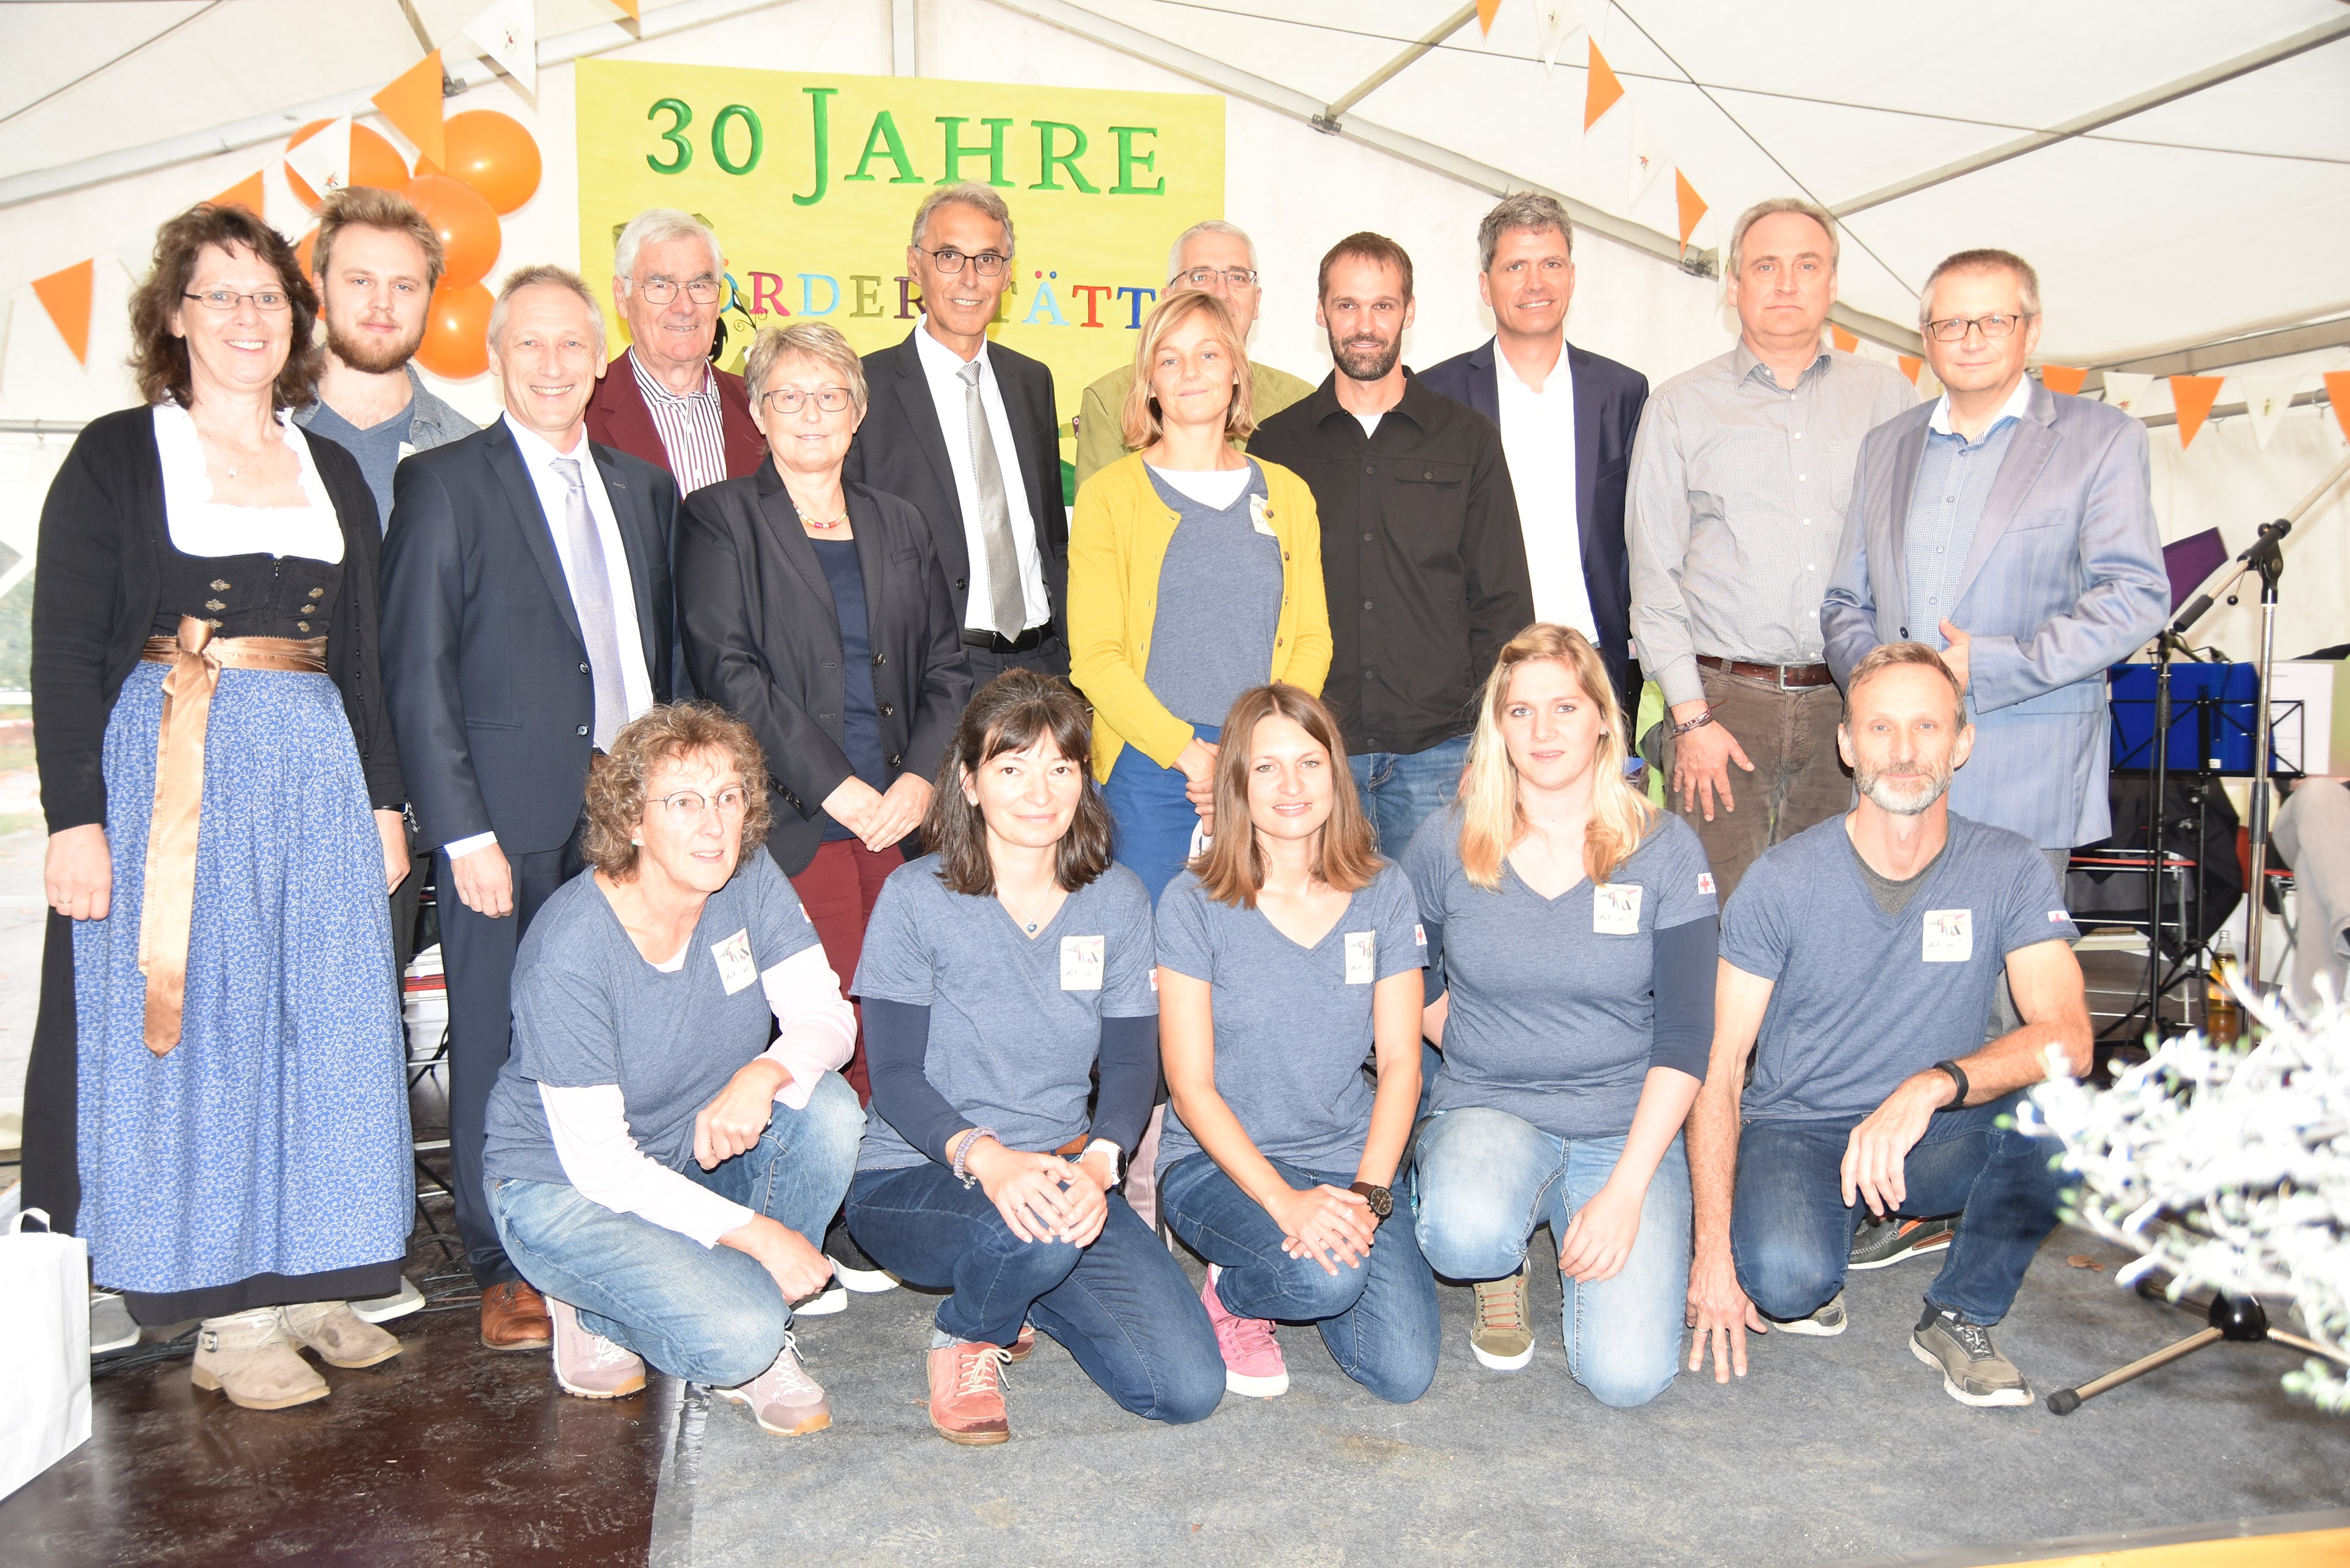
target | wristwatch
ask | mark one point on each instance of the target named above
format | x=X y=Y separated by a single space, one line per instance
x=1116 y=1159
x=1381 y=1200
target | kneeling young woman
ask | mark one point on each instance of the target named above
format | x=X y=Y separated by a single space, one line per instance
x=1000 y=970
x=1288 y=955
x=1576 y=925
x=654 y=1165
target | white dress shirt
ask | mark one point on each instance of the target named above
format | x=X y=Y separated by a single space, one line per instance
x=1538 y=438
x=203 y=527
x=944 y=372
x=539 y=455
x=2020 y=399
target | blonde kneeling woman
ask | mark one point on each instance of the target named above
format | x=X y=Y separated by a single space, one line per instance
x=1576 y=925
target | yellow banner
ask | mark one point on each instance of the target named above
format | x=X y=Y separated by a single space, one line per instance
x=812 y=181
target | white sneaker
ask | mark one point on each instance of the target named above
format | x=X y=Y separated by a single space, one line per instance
x=383 y=1309
x=1827 y=1323
x=864 y=1282
x=833 y=1298
x=110 y=1324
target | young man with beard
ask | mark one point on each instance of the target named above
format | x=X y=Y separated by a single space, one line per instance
x=377 y=261
x=1423 y=563
x=1858 y=963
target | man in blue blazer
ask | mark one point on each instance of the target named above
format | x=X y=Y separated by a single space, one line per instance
x=1567 y=417
x=2012 y=528
x=528 y=615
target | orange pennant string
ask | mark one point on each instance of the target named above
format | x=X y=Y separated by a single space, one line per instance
x=1486 y=11
x=2338 y=393
x=411 y=102
x=1692 y=205
x=2066 y=378
x=65 y=295
x=1910 y=366
x=1841 y=339
x=247 y=192
x=1601 y=90
x=2193 y=396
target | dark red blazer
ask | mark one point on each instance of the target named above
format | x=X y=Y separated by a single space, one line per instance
x=618 y=416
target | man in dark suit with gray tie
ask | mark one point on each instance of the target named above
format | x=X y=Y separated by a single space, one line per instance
x=966 y=429
x=528 y=614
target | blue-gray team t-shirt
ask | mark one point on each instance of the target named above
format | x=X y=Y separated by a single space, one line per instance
x=1554 y=1007
x=588 y=1010
x=1016 y=1021
x=1293 y=1023
x=1861 y=999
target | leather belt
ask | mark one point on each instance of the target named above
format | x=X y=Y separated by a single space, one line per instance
x=1785 y=676
x=1027 y=642
x=168 y=904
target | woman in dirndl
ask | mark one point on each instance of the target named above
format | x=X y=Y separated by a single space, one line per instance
x=223 y=807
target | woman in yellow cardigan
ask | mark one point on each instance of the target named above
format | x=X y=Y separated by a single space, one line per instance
x=1195 y=574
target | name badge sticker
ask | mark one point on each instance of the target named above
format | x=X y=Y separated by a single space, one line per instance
x=1616 y=909
x=1949 y=936
x=1081 y=963
x=736 y=968
x=1362 y=957
x=1261 y=516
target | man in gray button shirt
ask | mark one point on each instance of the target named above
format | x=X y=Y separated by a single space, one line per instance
x=1739 y=483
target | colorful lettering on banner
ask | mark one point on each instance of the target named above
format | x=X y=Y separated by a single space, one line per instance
x=812 y=181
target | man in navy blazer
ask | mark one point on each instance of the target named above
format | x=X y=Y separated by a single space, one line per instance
x=528 y=614
x=2014 y=529
x=1567 y=417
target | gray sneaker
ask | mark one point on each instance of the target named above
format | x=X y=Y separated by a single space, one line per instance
x=1824 y=1324
x=1880 y=1243
x=1499 y=1335
x=1973 y=1371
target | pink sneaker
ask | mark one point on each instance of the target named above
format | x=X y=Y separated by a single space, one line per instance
x=1252 y=1364
x=785 y=1399
x=588 y=1364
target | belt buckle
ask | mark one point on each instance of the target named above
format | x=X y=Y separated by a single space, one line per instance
x=1782 y=678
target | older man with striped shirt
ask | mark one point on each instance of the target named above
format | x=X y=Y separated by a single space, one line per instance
x=661 y=399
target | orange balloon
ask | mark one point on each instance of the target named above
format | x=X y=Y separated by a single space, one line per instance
x=456 y=344
x=468 y=228
x=495 y=155
x=374 y=161
x=305 y=251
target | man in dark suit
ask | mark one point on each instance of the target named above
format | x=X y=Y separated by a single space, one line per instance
x=966 y=429
x=661 y=399
x=528 y=614
x=1567 y=417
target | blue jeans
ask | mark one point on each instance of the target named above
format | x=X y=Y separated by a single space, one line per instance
x=708 y=1314
x=1378 y=1319
x=1403 y=789
x=1790 y=1231
x=1485 y=1179
x=1154 y=819
x=1122 y=1306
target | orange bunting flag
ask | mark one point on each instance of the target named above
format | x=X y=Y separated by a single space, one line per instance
x=65 y=295
x=2193 y=396
x=2338 y=393
x=1600 y=88
x=1692 y=205
x=1910 y=366
x=1841 y=339
x=2066 y=378
x=413 y=104
x=1486 y=11
x=633 y=7
x=246 y=194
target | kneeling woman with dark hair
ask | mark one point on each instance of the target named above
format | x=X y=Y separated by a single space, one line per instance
x=999 y=970
x=654 y=1165
x=1288 y=955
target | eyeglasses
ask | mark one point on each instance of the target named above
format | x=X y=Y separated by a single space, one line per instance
x=987 y=263
x=1954 y=330
x=661 y=290
x=792 y=399
x=685 y=808
x=264 y=299
x=1202 y=276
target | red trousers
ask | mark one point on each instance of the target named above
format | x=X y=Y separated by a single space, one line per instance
x=837 y=889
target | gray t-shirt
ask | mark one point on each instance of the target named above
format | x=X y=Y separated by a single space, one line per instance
x=1015 y=1020
x=1554 y=1000
x=1894 y=897
x=1220 y=589
x=588 y=1010
x=1862 y=999
x=1293 y=1023
x=376 y=447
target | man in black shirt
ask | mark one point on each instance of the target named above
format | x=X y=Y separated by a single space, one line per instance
x=1425 y=566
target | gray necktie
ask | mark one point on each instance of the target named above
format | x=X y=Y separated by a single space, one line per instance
x=1007 y=607
x=591 y=596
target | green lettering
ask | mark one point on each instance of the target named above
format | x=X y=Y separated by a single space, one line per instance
x=823 y=115
x=1067 y=160
x=681 y=116
x=883 y=140
x=732 y=112
x=1129 y=160
x=956 y=152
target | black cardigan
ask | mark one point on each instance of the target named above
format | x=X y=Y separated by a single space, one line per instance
x=96 y=590
x=763 y=641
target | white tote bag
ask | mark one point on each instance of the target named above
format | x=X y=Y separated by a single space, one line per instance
x=44 y=1349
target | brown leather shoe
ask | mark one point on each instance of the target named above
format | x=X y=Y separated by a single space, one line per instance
x=514 y=1317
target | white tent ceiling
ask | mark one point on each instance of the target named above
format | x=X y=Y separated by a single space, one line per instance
x=2221 y=212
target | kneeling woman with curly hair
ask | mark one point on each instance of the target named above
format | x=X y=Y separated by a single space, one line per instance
x=656 y=1166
